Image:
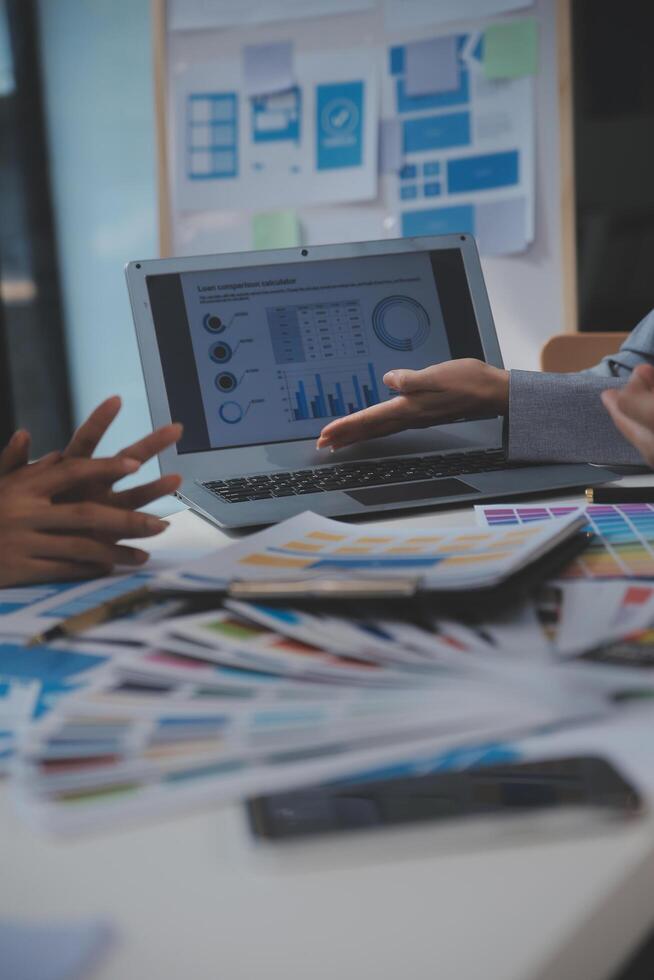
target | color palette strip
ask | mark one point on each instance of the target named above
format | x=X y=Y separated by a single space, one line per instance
x=623 y=546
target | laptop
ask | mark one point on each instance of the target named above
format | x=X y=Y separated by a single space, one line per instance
x=255 y=352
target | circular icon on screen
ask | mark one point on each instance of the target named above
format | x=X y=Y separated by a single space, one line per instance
x=220 y=352
x=230 y=412
x=400 y=322
x=225 y=381
x=213 y=323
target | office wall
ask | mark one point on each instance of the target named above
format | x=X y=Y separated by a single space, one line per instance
x=97 y=71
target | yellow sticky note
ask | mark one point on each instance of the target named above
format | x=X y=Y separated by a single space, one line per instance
x=511 y=48
x=275 y=229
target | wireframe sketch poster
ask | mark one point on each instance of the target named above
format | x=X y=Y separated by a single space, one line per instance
x=464 y=154
x=313 y=142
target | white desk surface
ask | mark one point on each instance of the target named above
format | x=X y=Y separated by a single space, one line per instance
x=194 y=898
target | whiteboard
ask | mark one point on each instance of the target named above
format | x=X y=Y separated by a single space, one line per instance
x=531 y=294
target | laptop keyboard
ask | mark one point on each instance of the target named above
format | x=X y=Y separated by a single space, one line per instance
x=350 y=476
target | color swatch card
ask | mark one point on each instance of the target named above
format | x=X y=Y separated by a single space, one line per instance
x=316 y=547
x=623 y=546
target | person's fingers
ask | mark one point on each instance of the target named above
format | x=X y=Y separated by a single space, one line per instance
x=378 y=420
x=645 y=374
x=407 y=381
x=154 y=443
x=97 y=520
x=637 y=434
x=68 y=547
x=48 y=460
x=141 y=496
x=44 y=570
x=81 y=472
x=16 y=453
x=85 y=440
x=637 y=403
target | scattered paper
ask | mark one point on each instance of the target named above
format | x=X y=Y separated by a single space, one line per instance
x=196 y=15
x=48 y=607
x=390 y=146
x=432 y=66
x=53 y=950
x=403 y=15
x=501 y=226
x=268 y=68
x=511 y=49
x=275 y=229
x=362 y=223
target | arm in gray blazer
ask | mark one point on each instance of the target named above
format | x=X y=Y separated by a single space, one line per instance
x=560 y=416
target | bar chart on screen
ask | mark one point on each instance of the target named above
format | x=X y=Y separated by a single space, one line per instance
x=328 y=393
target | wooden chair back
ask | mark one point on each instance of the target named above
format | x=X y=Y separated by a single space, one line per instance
x=576 y=351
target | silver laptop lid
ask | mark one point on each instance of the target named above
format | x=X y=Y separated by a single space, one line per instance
x=255 y=352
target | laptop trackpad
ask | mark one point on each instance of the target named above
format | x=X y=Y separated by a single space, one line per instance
x=399 y=493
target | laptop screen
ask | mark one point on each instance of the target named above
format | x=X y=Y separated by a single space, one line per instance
x=271 y=354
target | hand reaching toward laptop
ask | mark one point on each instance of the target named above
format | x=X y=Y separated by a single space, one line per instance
x=60 y=517
x=632 y=410
x=437 y=394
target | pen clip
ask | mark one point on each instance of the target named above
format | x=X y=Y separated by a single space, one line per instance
x=325 y=588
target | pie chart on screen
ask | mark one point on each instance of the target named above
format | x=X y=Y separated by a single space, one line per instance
x=400 y=322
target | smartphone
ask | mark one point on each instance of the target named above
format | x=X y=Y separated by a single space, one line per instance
x=587 y=782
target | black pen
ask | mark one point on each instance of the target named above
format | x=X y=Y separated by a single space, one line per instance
x=620 y=495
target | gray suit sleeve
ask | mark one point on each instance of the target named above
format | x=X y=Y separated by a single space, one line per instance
x=560 y=417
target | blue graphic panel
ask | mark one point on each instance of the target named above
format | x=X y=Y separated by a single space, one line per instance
x=339 y=125
x=434 y=100
x=19 y=662
x=397 y=56
x=437 y=132
x=432 y=189
x=277 y=117
x=483 y=172
x=408 y=192
x=212 y=135
x=439 y=221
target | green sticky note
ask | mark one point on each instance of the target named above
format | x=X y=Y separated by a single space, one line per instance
x=275 y=229
x=511 y=48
